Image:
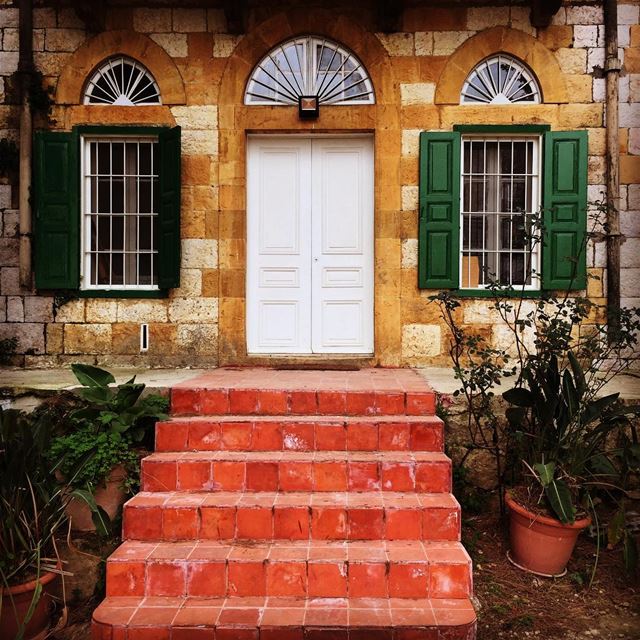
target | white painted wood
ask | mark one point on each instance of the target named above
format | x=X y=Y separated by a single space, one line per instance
x=342 y=245
x=278 y=247
x=310 y=245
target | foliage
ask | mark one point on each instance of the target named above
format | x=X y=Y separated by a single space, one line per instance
x=102 y=430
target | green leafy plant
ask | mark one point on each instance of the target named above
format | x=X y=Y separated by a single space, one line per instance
x=32 y=505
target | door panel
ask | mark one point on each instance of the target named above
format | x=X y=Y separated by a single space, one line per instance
x=278 y=248
x=310 y=245
x=342 y=245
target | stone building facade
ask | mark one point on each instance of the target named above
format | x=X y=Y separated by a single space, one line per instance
x=202 y=70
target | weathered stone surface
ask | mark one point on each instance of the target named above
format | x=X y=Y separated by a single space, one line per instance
x=188 y=20
x=87 y=338
x=199 y=253
x=142 y=311
x=628 y=14
x=409 y=198
x=588 y=36
x=397 y=44
x=38 y=309
x=30 y=336
x=424 y=43
x=196 y=117
x=417 y=93
x=409 y=253
x=101 y=310
x=198 y=339
x=152 y=20
x=216 y=21
x=630 y=115
x=572 y=60
x=125 y=338
x=5 y=196
x=63 y=39
x=9 y=248
x=200 y=142
x=584 y=15
x=71 y=311
x=223 y=45
x=479 y=18
x=630 y=282
x=446 y=42
x=9 y=281
x=54 y=338
x=3 y=309
x=8 y=62
x=411 y=142
x=420 y=341
x=175 y=44
x=43 y=17
x=634 y=140
x=8 y=17
x=194 y=310
x=15 y=309
x=10 y=40
x=190 y=283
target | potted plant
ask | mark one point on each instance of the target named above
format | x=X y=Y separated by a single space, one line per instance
x=99 y=451
x=31 y=513
x=566 y=433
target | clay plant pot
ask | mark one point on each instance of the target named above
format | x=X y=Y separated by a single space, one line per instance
x=540 y=544
x=16 y=601
x=110 y=496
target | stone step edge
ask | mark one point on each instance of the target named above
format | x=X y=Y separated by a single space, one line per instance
x=183 y=518
x=241 y=401
x=291 y=433
x=275 y=616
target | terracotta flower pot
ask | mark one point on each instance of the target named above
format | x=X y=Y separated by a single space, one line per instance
x=15 y=605
x=540 y=544
x=110 y=496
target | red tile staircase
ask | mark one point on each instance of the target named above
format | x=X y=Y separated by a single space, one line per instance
x=293 y=505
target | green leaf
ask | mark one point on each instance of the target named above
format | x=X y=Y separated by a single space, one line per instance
x=519 y=397
x=90 y=376
x=545 y=473
x=99 y=516
x=578 y=374
x=559 y=497
x=127 y=395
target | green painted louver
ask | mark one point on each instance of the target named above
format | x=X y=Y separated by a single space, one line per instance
x=57 y=214
x=565 y=210
x=439 y=210
x=169 y=214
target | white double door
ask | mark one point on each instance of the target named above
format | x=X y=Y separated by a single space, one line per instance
x=310 y=245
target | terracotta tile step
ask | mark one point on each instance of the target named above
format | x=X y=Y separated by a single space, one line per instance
x=262 y=400
x=301 y=433
x=375 y=569
x=425 y=472
x=171 y=618
x=292 y=516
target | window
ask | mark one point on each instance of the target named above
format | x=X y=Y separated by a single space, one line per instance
x=122 y=81
x=309 y=66
x=108 y=210
x=480 y=188
x=120 y=212
x=500 y=79
x=500 y=195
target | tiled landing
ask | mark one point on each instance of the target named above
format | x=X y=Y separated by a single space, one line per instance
x=293 y=505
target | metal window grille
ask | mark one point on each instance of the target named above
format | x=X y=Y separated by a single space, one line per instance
x=500 y=79
x=120 y=213
x=309 y=66
x=122 y=81
x=500 y=194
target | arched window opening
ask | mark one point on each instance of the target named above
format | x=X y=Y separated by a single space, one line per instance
x=309 y=67
x=500 y=79
x=122 y=81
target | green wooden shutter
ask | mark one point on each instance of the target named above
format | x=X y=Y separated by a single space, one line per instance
x=439 y=221
x=57 y=210
x=565 y=210
x=169 y=214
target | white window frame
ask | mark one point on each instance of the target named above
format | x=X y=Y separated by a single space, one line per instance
x=85 y=226
x=536 y=203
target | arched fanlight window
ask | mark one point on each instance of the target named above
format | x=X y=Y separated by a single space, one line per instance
x=500 y=79
x=313 y=67
x=122 y=81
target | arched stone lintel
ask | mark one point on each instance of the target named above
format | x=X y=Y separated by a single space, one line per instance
x=502 y=40
x=129 y=43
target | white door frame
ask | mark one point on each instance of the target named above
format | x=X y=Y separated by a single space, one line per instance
x=330 y=279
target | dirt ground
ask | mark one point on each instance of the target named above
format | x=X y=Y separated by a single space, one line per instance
x=513 y=604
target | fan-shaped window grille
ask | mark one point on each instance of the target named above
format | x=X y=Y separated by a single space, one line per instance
x=309 y=66
x=122 y=81
x=500 y=79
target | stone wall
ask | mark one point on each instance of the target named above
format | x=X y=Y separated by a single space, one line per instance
x=202 y=69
